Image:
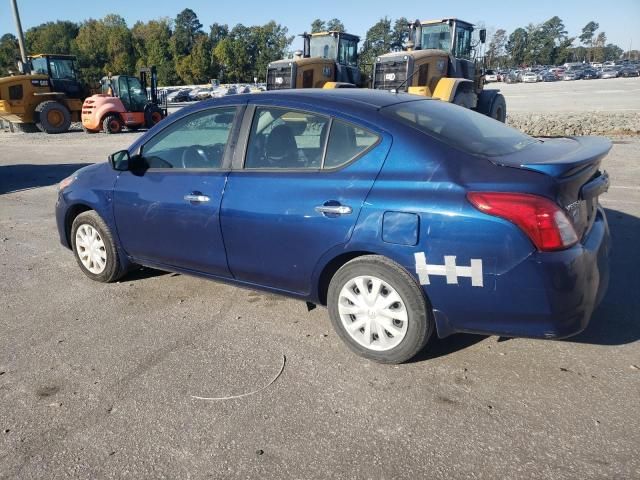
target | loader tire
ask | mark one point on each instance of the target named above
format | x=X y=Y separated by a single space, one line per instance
x=52 y=117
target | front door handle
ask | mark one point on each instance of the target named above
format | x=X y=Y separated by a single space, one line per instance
x=334 y=209
x=196 y=197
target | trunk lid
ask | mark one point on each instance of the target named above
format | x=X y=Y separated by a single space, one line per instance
x=574 y=163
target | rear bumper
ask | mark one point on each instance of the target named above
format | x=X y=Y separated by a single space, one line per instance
x=549 y=295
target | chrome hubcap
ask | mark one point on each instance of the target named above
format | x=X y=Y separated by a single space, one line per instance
x=90 y=249
x=373 y=313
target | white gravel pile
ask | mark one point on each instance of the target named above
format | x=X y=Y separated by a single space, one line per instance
x=579 y=123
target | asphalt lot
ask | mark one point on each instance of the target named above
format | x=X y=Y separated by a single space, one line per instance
x=604 y=95
x=97 y=381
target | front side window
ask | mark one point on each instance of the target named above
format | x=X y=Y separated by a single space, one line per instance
x=463 y=43
x=62 y=69
x=286 y=139
x=348 y=52
x=197 y=141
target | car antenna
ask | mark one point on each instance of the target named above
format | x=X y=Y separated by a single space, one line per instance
x=395 y=90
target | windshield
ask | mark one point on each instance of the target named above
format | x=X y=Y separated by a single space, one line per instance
x=460 y=127
x=325 y=46
x=348 y=52
x=436 y=36
x=39 y=65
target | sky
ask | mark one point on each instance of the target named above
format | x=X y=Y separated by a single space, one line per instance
x=620 y=20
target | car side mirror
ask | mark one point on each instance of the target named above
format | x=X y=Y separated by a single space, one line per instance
x=483 y=35
x=120 y=161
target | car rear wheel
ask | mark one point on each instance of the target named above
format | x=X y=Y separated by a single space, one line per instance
x=95 y=249
x=379 y=310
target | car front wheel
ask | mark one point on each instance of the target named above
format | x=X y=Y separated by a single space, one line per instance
x=379 y=310
x=94 y=248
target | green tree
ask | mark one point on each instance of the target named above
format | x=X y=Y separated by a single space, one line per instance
x=152 y=44
x=400 y=33
x=318 y=26
x=9 y=53
x=186 y=28
x=104 y=46
x=614 y=52
x=335 y=25
x=268 y=43
x=218 y=32
x=197 y=67
x=377 y=42
x=586 y=37
x=599 y=47
x=517 y=46
x=496 y=48
x=51 y=37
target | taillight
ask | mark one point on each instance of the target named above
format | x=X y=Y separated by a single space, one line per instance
x=544 y=222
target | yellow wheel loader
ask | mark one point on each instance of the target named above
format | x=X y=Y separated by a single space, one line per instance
x=47 y=96
x=328 y=58
x=441 y=62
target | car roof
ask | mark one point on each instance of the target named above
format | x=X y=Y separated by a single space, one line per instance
x=341 y=97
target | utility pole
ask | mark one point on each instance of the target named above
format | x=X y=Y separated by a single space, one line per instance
x=23 y=51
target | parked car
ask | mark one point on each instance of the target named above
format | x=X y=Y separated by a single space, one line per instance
x=570 y=75
x=609 y=73
x=548 y=77
x=510 y=77
x=590 y=74
x=179 y=96
x=629 y=71
x=529 y=77
x=490 y=76
x=404 y=215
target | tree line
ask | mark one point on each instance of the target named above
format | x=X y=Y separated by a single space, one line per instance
x=184 y=53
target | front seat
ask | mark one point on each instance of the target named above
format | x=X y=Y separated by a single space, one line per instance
x=281 y=150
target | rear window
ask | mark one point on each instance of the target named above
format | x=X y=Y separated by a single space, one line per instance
x=460 y=127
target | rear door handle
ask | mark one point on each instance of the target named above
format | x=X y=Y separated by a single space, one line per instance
x=196 y=197
x=334 y=209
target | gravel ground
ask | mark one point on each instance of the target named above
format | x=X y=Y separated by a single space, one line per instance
x=582 y=107
x=98 y=381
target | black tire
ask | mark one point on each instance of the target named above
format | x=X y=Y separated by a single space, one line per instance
x=113 y=269
x=499 y=109
x=420 y=323
x=152 y=115
x=23 y=128
x=465 y=99
x=112 y=124
x=52 y=117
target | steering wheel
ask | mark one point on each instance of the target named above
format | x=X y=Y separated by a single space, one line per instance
x=195 y=154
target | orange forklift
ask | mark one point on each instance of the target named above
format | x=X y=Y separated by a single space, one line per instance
x=125 y=101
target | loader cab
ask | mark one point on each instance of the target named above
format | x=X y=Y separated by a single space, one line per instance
x=62 y=73
x=128 y=89
x=449 y=35
x=337 y=46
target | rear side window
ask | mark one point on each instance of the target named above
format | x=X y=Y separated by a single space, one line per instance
x=346 y=141
x=460 y=127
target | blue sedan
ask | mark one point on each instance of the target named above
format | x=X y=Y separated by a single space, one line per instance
x=405 y=216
